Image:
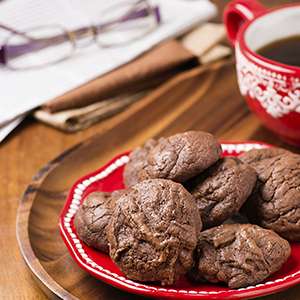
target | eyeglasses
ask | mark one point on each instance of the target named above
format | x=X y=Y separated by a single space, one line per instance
x=46 y=45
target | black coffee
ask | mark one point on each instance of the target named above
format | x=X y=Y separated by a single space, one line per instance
x=286 y=51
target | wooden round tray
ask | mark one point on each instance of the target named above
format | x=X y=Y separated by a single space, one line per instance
x=48 y=258
x=37 y=220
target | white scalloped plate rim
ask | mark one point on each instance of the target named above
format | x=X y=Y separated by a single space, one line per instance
x=70 y=237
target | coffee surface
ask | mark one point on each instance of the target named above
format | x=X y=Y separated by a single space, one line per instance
x=286 y=51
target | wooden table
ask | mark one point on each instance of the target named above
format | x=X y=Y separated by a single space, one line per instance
x=34 y=144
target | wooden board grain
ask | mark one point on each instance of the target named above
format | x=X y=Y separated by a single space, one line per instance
x=214 y=106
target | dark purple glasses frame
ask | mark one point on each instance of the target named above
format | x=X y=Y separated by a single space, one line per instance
x=35 y=44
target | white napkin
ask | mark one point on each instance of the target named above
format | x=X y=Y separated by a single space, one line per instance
x=7 y=129
x=22 y=91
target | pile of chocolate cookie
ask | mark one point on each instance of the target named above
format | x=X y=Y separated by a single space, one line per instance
x=178 y=213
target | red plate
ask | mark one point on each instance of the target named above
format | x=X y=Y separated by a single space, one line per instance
x=109 y=178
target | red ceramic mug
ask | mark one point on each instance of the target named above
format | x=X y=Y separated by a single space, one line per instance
x=272 y=89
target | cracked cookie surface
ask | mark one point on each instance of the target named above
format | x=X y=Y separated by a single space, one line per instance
x=239 y=255
x=93 y=216
x=178 y=157
x=222 y=189
x=275 y=203
x=153 y=231
x=255 y=156
x=133 y=171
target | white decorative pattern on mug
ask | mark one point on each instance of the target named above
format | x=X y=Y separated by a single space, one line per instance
x=278 y=94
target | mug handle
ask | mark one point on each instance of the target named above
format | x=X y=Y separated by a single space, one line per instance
x=237 y=12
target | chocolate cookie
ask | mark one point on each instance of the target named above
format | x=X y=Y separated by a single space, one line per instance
x=178 y=157
x=275 y=204
x=222 y=189
x=133 y=172
x=239 y=255
x=255 y=156
x=93 y=216
x=153 y=231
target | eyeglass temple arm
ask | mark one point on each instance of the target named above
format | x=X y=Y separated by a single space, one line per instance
x=2 y=47
x=12 y=30
x=136 y=14
x=2 y=56
x=27 y=47
x=132 y=15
